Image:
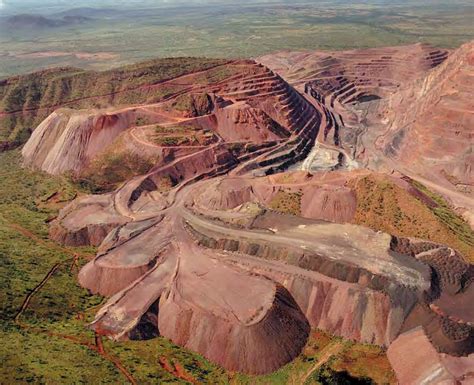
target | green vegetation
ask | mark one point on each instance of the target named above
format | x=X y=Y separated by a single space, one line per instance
x=169 y=140
x=20 y=197
x=382 y=205
x=216 y=75
x=446 y=215
x=177 y=136
x=363 y=362
x=50 y=89
x=179 y=130
x=193 y=104
x=26 y=256
x=127 y=33
x=328 y=376
x=285 y=202
x=107 y=171
x=141 y=121
x=50 y=343
x=62 y=85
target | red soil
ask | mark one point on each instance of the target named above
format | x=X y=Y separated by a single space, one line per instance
x=214 y=271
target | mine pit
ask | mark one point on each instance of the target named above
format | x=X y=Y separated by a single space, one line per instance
x=250 y=227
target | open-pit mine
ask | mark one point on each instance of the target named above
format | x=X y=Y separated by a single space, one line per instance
x=257 y=219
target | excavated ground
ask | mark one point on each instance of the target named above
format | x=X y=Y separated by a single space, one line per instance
x=403 y=108
x=238 y=261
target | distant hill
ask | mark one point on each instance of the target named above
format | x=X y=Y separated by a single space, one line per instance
x=87 y=12
x=31 y=21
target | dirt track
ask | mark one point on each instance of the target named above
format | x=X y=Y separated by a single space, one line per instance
x=97 y=347
x=143 y=87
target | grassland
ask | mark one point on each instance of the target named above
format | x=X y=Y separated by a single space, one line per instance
x=382 y=205
x=49 y=343
x=26 y=100
x=107 y=171
x=287 y=203
x=124 y=34
x=93 y=60
x=64 y=85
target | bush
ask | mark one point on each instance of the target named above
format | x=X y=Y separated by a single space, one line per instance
x=108 y=171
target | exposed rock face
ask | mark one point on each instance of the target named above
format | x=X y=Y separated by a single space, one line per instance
x=85 y=221
x=194 y=105
x=211 y=282
x=437 y=123
x=255 y=106
x=343 y=305
x=228 y=315
x=335 y=204
x=67 y=140
x=424 y=365
x=334 y=197
x=258 y=344
x=146 y=262
x=26 y=100
x=336 y=81
x=404 y=108
x=376 y=302
x=205 y=263
x=240 y=122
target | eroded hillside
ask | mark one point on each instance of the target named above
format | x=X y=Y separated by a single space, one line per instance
x=264 y=207
x=402 y=108
x=26 y=100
